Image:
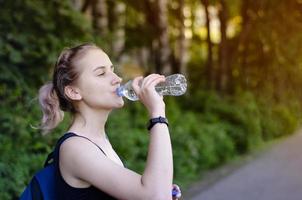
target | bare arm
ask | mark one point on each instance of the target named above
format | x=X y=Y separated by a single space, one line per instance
x=85 y=162
x=158 y=174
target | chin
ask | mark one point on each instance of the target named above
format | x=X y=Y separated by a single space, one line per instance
x=120 y=104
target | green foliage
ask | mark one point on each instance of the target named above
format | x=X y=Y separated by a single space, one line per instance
x=278 y=120
x=28 y=51
x=39 y=39
x=206 y=135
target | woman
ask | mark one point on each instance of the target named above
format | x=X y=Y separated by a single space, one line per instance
x=84 y=84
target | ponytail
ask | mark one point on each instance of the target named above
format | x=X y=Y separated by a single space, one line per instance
x=52 y=114
x=52 y=99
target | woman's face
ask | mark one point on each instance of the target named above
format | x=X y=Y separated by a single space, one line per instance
x=97 y=82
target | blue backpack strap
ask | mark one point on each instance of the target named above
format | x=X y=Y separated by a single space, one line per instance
x=50 y=159
x=43 y=184
x=54 y=153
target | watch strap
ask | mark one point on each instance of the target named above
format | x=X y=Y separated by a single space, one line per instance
x=156 y=120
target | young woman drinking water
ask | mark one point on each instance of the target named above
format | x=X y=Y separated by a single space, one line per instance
x=84 y=84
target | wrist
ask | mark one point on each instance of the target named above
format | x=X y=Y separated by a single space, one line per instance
x=157 y=114
x=157 y=110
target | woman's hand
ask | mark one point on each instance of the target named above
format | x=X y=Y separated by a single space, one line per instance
x=145 y=90
x=176 y=190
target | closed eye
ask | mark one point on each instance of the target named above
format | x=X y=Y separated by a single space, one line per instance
x=103 y=70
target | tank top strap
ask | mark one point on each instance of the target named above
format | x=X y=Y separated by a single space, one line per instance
x=91 y=142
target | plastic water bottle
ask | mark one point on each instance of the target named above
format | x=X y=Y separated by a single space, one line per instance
x=175 y=85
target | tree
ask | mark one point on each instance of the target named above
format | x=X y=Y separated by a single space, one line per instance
x=209 y=70
x=180 y=48
x=117 y=26
x=223 y=72
x=161 y=44
x=100 y=17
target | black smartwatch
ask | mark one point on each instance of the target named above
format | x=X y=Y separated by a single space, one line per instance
x=156 y=120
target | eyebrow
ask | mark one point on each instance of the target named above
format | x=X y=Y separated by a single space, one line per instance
x=102 y=67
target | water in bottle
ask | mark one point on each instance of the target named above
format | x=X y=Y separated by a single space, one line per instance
x=174 y=85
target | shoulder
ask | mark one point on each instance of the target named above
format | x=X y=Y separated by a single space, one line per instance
x=78 y=148
x=79 y=158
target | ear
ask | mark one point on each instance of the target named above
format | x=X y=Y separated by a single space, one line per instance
x=72 y=92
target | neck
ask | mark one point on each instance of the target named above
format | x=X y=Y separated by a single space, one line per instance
x=90 y=123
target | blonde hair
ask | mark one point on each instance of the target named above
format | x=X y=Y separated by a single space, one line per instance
x=52 y=98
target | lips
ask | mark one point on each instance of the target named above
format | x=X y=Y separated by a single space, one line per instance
x=115 y=92
x=115 y=89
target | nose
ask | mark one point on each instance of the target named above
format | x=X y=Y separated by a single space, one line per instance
x=116 y=79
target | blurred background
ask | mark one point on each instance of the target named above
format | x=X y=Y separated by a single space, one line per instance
x=242 y=59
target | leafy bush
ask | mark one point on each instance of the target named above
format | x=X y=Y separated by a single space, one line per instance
x=278 y=120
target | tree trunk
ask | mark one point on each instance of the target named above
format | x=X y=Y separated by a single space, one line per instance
x=118 y=29
x=100 y=18
x=86 y=5
x=77 y=4
x=242 y=44
x=209 y=64
x=223 y=67
x=179 y=65
x=163 y=50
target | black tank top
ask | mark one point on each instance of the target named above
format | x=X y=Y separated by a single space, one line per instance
x=67 y=192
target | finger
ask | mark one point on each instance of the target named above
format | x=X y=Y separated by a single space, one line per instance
x=149 y=79
x=156 y=80
x=136 y=84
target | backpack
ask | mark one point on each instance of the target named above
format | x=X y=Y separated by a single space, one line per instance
x=42 y=186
